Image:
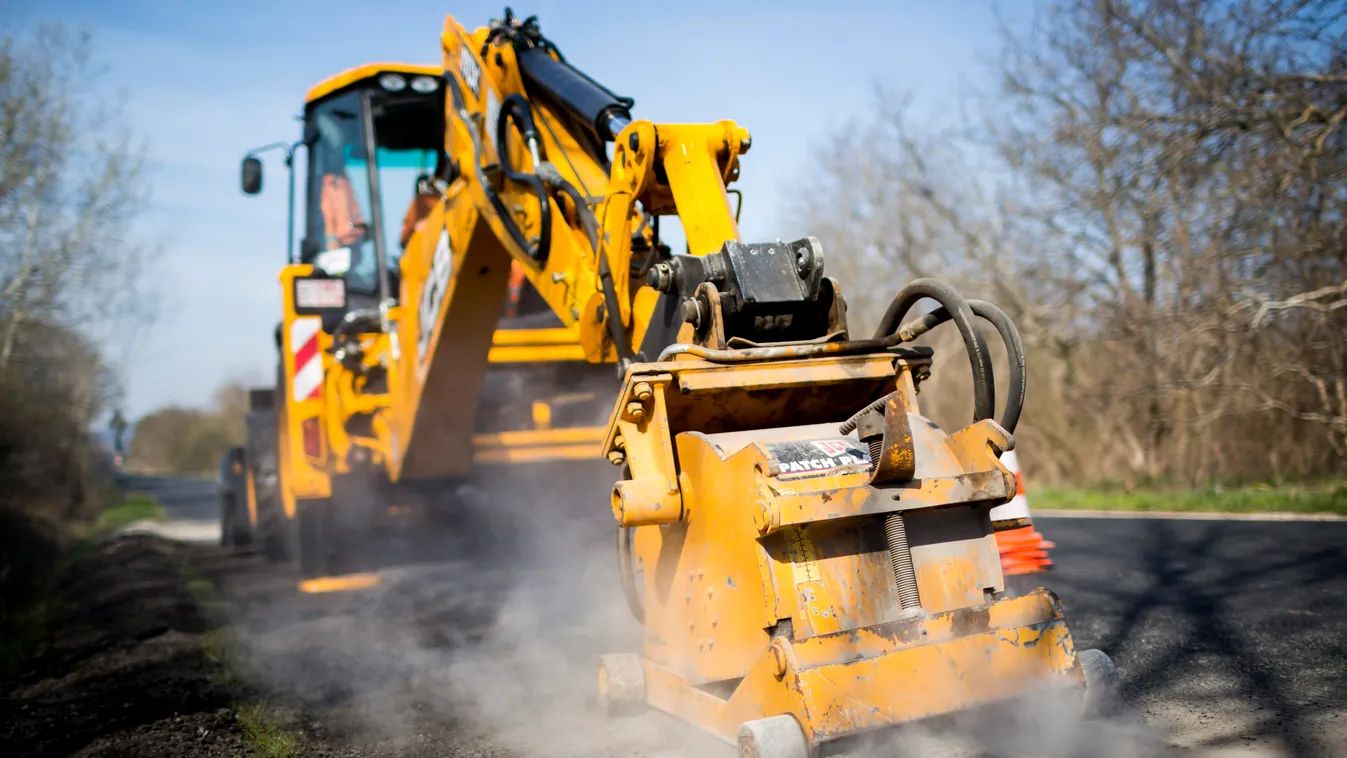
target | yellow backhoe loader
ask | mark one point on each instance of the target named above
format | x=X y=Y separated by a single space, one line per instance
x=810 y=556
x=327 y=458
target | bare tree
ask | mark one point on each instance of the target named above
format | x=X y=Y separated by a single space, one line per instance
x=1159 y=199
x=70 y=187
x=70 y=190
x=191 y=439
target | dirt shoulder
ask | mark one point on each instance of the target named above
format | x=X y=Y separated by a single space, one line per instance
x=131 y=667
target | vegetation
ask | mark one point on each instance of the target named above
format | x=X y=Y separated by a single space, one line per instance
x=26 y=617
x=268 y=737
x=38 y=555
x=190 y=440
x=1315 y=497
x=1156 y=193
x=131 y=508
x=70 y=192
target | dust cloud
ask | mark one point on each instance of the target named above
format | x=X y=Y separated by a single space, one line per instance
x=489 y=649
x=492 y=649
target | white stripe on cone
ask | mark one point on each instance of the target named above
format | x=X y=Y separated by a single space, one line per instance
x=1018 y=507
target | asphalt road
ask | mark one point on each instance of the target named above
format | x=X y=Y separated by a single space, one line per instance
x=192 y=505
x=183 y=498
x=1231 y=636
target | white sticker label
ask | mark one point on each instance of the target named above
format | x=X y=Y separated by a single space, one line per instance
x=470 y=70
x=320 y=293
x=432 y=294
x=492 y=115
x=815 y=456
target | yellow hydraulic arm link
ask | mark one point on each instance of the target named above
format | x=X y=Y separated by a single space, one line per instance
x=534 y=185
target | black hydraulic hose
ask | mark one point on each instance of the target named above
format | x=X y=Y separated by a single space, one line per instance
x=361 y=320
x=590 y=224
x=615 y=325
x=984 y=386
x=1019 y=374
x=1010 y=338
x=516 y=109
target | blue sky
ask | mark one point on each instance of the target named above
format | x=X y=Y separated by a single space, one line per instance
x=201 y=83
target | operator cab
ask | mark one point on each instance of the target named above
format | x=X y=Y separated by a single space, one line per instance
x=374 y=157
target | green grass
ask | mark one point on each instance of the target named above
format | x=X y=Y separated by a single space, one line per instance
x=1308 y=497
x=24 y=627
x=134 y=507
x=23 y=630
x=267 y=736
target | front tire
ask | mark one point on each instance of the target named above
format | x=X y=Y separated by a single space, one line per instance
x=1103 y=684
x=621 y=683
x=772 y=737
x=313 y=538
x=226 y=521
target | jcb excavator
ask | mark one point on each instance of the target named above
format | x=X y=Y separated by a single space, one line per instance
x=811 y=558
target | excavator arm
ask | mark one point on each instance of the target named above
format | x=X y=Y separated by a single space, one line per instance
x=529 y=181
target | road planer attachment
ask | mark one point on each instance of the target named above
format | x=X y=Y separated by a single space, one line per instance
x=810 y=556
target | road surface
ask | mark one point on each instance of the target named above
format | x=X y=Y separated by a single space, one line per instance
x=1231 y=636
x=191 y=504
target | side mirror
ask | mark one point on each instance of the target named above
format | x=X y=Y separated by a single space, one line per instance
x=251 y=175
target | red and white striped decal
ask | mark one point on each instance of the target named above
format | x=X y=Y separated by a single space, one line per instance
x=308 y=363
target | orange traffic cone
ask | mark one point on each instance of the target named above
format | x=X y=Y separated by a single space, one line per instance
x=1023 y=549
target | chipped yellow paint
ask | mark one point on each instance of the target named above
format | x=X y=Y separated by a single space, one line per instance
x=803 y=555
x=753 y=556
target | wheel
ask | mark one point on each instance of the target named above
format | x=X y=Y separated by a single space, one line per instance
x=626 y=572
x=772 y=737
x=312 y=528
x=621 y=683
x=272 y=530
x=1103 y=685
x=243 y=534
x=226 y=521
x=232 y=533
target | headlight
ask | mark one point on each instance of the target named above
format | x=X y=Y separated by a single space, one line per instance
x=425 y=84
x=393 y=82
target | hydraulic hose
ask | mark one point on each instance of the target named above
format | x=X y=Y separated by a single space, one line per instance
x=984 y=386
x=516 y=109
x=590 y=224
x=360 y=320
x=1010 y=338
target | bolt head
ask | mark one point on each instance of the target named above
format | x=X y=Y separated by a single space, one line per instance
x=659 y=277
x=636 y=411
x=692 y=312
x=804 y=261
